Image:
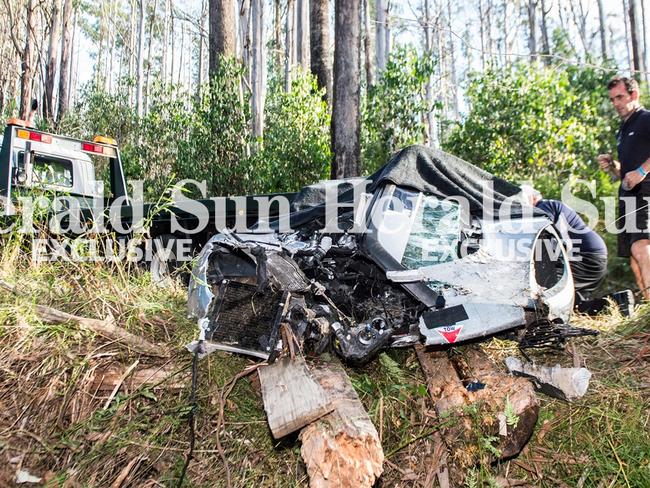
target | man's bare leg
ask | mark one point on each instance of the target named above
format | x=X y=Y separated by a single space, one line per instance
x=641 y=260
x=637 y=273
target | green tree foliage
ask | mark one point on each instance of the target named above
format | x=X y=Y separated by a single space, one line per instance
x=544 y=124
x=395 y=109
x=209 y=138
x=296 y=147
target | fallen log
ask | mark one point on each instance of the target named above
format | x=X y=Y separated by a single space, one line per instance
x=342 y=449
x=292 y=399
x=487 y=405
x=104 y=380
x=106 y=328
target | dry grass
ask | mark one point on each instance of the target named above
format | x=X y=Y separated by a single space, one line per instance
x=56 y=420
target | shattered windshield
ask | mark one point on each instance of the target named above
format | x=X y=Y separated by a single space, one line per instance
x=434 y=234
x=417 y=229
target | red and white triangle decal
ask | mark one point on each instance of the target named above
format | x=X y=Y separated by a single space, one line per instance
x=450 y=332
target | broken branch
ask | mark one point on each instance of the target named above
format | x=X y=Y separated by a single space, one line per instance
x=105 y=328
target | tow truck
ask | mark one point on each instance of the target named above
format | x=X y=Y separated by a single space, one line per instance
x=90 y=173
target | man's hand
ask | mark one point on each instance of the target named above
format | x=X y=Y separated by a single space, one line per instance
x=608 y=164
x=632 y=178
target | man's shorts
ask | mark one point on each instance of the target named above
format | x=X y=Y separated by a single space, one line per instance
x=632 y=221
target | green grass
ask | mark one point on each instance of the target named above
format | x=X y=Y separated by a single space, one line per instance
x=52 y=417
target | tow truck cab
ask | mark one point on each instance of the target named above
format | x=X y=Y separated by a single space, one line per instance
x=32 y=159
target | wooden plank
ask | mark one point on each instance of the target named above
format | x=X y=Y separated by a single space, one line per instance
x=292 y=399
x=342 y=449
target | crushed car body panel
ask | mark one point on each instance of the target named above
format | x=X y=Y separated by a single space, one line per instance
x=426 y=268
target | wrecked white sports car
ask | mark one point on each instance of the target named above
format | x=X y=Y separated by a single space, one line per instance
x=429 y=249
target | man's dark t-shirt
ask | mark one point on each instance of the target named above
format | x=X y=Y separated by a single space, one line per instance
x=584 y=239
x=633 y=142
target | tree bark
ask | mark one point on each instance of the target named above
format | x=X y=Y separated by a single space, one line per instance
x=531 y=9
x=277 y=33
x=345 y=111
x=199 y=73
x=182 y=51
x=288 y=45
x=319 y=45
x=428 y=91
x=602 y=30
x=343 y=448
x=452 y=63
x=546 y=47
x=152 y=22
x=64 y=75
x=380 y=36
x=258 y=71
x=112 y=11
x=636 y=38
x=244 y=34
x=223 y=41
x=303 y=33
x=367 y=44
x=140 y=62
x=27 y=69
x=52 y=60
x=627 y=35
x=165 y=40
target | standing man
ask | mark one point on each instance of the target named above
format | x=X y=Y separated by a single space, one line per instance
x=633 y=144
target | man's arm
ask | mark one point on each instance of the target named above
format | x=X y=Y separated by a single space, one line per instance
x=633 y=178
x=609 y=164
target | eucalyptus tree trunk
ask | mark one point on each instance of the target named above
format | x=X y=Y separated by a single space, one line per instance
x=111 y=47
x=487 y=18
x=277 y=33
x=630 y=62
x=223 y=40
x=431 y=137
x=152 y=22
x=64 y=75
x=52 y=60
x=602 y=29
x=302 y=32
x=580 y=21
x=244 y=34
x=289 y=45
x=481 y=12
x=74 y=56
x=140 y=62
x=367 y=44
x=320 y=45
x=182 y=51
x=99 y=63
x=546 y=47
x=452 y=63
x=172 y=34
x=258 y=68
x=381 y=20
x=132 y=46
x=531 y=10
x=345 y=111
x=27 y=60
x=199 y=73
x=165 y=40
x=636 y=38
